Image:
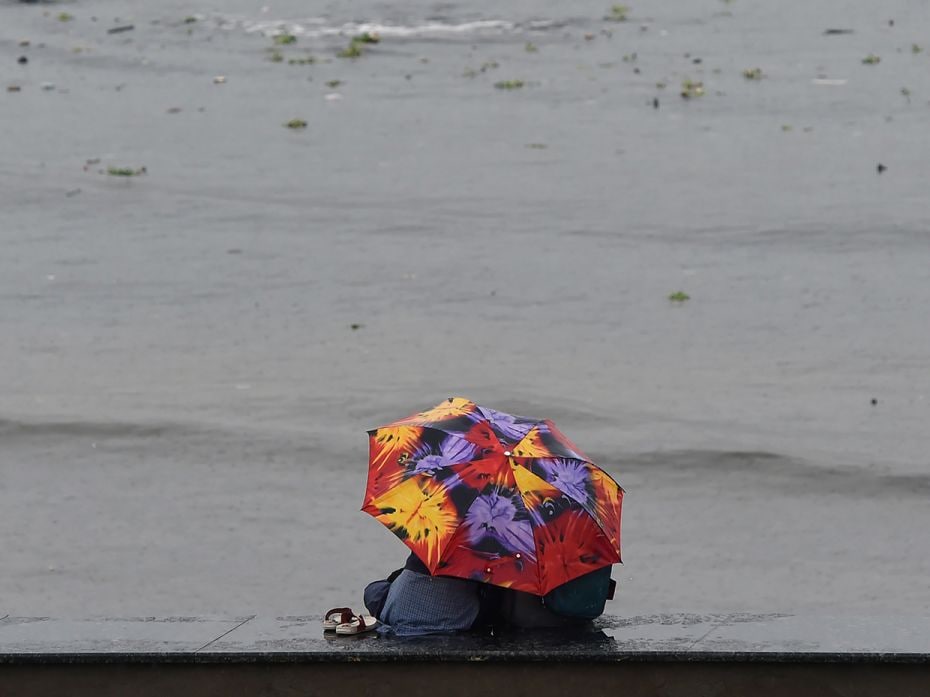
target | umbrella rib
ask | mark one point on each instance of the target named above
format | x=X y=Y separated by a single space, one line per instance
x=533 y=528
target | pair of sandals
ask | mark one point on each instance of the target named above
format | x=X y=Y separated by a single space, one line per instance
x=343 y=620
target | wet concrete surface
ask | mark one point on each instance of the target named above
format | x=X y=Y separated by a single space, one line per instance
x=672 y=637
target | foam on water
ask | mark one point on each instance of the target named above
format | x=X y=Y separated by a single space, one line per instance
x=318 y=27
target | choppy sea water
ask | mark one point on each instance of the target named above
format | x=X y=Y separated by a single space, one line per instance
x=183 y=396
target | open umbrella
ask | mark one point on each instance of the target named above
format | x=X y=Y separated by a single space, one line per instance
x=501 y=499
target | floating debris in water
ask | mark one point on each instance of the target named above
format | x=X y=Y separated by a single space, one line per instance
x=871 y=59
x=536 y=146
x=752 y=73
x=284 y=39
x=829 y=82
x=618 y=13
x=120 y=30
x=296 y=124
x=691 y=89
x=630 y=57
x=916 y=48
x=836 y=32
x=219 y=80
x=126 y=171
x=367 y=37
x=276 y=56
x=679 y=296
x=356 y=326
x=353 y=50
x=509 y=84
x=880 y=168
x=905 y=92
x=333 y=84
x=13 y=88
x=190 y=19
x=309 y=60
x=22 y=60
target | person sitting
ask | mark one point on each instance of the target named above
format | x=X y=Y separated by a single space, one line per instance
x=411 y=602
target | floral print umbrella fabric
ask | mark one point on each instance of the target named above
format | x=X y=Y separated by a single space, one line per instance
x=501 y=499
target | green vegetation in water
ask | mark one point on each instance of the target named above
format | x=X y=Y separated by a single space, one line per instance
x=630 y=58
x=125 y=171
x=276 y=56
x=530 y=47
x=905 y=92
x=618 y=13
x=536 y=146
x=872 y=59
x=679 y=296
x=485 y=67
x=353 y=50
x=333 y=84
x=786 y=127
x=190 y=19
x=355 y=326
x=284 y=39
x=660 y=85
x=367 y=38
x=309 y=60
x=752 y=73
x=691 y=89
x=65 y=17
x=916 y=48
x=509 y=84
x=296 y=124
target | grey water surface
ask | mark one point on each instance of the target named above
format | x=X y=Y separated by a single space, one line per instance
x=189 y=357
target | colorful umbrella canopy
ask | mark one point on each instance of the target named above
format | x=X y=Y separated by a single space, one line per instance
x=501 y=499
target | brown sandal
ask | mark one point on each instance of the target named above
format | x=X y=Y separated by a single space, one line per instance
x=358 y=624
x=338 y=615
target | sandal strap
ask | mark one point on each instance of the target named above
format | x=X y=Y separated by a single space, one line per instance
x=345 y=614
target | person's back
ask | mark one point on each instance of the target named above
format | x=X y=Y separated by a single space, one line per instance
x=418 y=603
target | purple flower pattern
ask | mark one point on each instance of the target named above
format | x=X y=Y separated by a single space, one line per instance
x=496 y=517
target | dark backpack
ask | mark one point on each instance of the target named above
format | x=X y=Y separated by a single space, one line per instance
x=584 y=597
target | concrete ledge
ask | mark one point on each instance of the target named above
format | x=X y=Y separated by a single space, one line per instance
x=683 y=654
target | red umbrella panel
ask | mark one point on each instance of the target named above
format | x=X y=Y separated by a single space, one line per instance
x=480 y=494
